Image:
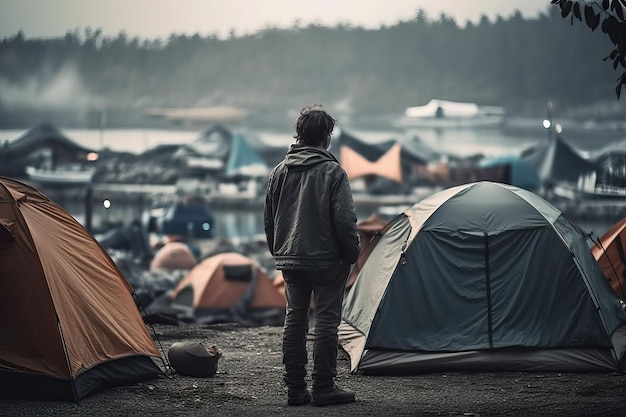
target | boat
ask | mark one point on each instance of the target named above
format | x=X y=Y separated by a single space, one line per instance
x=61 y=176
x=198 y=114
x=185 y=220
x=452 y=114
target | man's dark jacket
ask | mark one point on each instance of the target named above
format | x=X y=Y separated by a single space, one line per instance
x=310 y=219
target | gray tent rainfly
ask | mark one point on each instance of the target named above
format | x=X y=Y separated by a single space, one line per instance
x=558 y=161
x=482 y=277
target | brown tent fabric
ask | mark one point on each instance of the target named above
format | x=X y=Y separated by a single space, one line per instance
x=279 y=282
x=370 y=230
x=230 y=287
x=173 y=255
x=69 y=323
x=610 y=253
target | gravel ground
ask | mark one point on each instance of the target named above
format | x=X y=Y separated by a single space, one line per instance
x=249 y=383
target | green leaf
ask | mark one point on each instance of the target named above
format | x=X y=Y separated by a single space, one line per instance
x=621 y=81
x=591 y=18
x=577 y=11
x=619 y=10
x=611 y=27
x=605 y=26
x=566 y=8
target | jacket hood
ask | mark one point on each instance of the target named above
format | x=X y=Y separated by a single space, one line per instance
x=303 y=157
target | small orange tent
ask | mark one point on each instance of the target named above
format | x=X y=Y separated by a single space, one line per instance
x=229 y=287
x=69 y=323
x=388 y=165
x=610 y=254
x=173 y=255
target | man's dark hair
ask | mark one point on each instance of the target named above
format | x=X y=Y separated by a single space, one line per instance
x=314 y=126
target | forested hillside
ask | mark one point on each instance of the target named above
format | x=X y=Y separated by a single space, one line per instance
x=515 y=62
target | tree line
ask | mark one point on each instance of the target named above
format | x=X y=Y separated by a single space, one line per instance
x=515 y=62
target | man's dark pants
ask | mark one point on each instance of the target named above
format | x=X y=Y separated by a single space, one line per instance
x=327 y=286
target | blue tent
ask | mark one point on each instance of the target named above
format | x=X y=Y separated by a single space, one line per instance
x=244 y=159
x=521 y=173
x=186 y=219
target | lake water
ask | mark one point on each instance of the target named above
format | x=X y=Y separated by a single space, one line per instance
x=246 y=223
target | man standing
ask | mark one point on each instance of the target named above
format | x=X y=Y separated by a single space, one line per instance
x=311 y=230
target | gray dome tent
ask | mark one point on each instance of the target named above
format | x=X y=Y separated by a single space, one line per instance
x=482 y=277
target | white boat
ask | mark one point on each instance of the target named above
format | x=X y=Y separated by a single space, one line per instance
x=452 y=114
x=61 y=176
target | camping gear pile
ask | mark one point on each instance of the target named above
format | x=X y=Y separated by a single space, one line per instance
x=191 y=358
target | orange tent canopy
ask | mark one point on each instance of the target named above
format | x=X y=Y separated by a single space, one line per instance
x=213 y=288
x=66 y=311
x=173 y=255
x=610 y=253
x=388 y=165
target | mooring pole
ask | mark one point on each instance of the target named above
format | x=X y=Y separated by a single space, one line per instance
x=88 y=206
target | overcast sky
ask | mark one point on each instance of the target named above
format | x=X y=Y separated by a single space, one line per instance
x=151 y=19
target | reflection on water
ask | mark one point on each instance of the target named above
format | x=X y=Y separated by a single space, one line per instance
x=239 y=224
x=229 y=224
x=236 y=224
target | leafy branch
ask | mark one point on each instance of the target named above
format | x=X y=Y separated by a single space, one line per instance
x=609 y=16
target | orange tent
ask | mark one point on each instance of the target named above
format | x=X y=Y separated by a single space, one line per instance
x=388 y=165
x=370 y=230
x=229 y=287
x=279 y=281
x=610 y=254
x=173 y=255
x=69 y=323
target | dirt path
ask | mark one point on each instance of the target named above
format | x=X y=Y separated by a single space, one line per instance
x=248 y=383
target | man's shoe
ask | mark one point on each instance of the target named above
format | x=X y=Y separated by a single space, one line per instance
x=332 y=397
x=298 y=398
